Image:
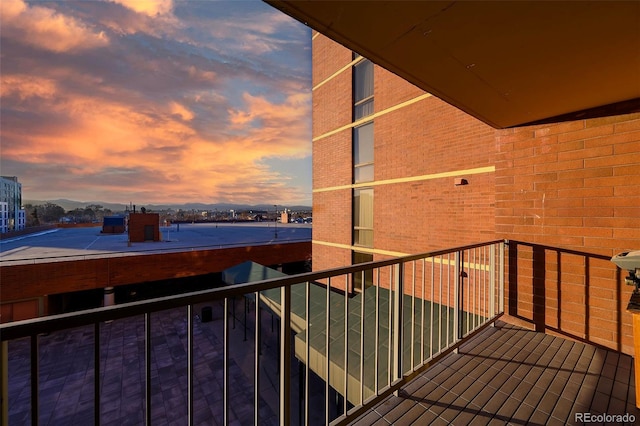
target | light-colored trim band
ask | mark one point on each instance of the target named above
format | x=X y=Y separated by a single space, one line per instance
x=313 y=37
x=479 y=170
x=372 y=116
x=341 y=70
x=360 y=249
x=450 y=262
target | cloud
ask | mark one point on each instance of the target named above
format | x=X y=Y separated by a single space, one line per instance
x=163 y=113
x=47 y=29
x=107 y=145
x=26 y=87
x=181 y=111
x=148 y=7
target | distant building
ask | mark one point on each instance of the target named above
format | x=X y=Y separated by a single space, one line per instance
x=4 y=217
x=12 y=216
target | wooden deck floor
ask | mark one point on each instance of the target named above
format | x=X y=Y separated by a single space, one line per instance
x=511 y=375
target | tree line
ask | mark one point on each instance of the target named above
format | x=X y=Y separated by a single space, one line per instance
x=42 y=214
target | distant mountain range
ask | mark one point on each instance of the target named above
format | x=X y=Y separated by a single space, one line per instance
x=72 y=205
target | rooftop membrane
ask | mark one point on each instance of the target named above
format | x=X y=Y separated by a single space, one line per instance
x=65 y=243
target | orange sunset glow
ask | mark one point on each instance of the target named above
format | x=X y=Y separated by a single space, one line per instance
x=156 y=101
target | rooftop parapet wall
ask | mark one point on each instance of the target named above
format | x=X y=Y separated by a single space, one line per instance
x=34 y=280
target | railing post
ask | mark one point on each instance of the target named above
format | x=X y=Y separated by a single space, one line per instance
x=4 y=382
x=501 y=288
x=190 y=413
x=225 y=362
x=349 y=285
x=457 y=294
x=35 y=403
x=285 y=355
x=96 y=374
x=492 y=283
x=327 y=342
x=307 y=396
x=147 y=366
x=256 y=365
x=398 y=322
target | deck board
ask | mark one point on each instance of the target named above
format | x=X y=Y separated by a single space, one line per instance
x=511 y=375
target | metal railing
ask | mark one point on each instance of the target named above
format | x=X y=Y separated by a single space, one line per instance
x=352 y=346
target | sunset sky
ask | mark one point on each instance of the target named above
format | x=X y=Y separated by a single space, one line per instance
x=155 y=101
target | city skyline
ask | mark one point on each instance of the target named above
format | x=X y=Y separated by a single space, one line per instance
x=156 y=102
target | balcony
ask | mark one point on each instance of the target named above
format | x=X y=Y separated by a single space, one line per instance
x=417 y=338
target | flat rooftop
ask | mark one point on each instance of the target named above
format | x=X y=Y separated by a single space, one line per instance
x=65 y=243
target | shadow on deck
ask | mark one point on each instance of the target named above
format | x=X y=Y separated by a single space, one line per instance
x=511 y=375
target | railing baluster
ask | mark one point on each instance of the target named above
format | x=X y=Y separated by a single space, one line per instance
x=147 y=366
x=492 y=282
x=362 y=302
x=34 y=380
x=398 y=324
x=440 y=327
x=307 y=396
x=474 y=290
x=501 y=273
x=413 y=313
x=484 y=284
x=390 y=325
x=190 y=363
x=96 y=373
x=456 y=296
x=423 y=312
x=256 y=365
x=377 y=333
x=432 y=314
x=449 y=288
x=225 y=362
x=346 y=343
x=470 y=274
x=327 y=331
x=4 y=382
x=285 y=355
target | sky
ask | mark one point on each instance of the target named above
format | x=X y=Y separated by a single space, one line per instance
x=155 y=101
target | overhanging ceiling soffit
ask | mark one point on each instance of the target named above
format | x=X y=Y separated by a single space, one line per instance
x=506 y=63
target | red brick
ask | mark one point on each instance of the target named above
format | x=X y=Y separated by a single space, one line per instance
x=563 y=186
x=587 y=133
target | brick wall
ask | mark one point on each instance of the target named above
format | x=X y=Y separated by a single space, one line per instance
x=568 y=196
x=413 y=140
x=414 y=217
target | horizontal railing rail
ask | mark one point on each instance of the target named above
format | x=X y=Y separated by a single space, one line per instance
x=361 y=330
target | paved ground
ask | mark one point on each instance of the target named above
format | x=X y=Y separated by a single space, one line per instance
x=62 y=243
x=66 y=377
x=67 y=373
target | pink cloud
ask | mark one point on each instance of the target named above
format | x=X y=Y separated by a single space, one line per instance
x=47 y=29
x=104 y=135
x=27 y=86
x=281 y=129
x=146 y=115
x=148 y=7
